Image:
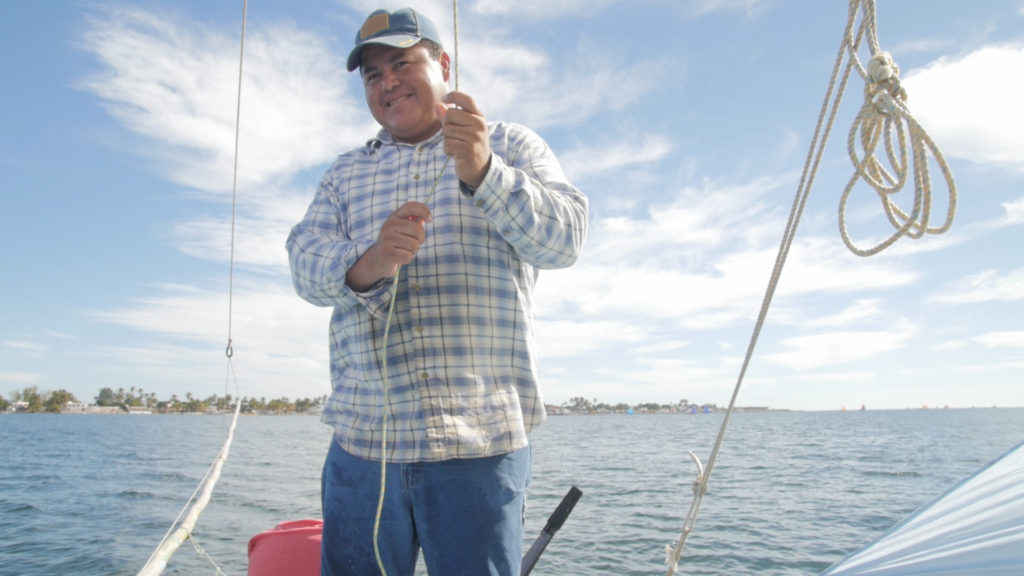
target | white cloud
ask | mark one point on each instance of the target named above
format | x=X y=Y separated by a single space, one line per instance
x=521 y=83
x=25 y=347
x=971 y=105
x=860 y=310
x=20 y=378
x=592 y=161
x=1014 y=213
x=700 y=262
x=952 y=345
x=195 y=322
x=566 y=338
x=532 y=9
x=257 y=242
x=1002 y=339
x=832 y=348
x=535 y=9
x=175 y=83
x=989 y=285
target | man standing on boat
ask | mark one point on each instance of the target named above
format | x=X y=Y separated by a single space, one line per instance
x=444 y=386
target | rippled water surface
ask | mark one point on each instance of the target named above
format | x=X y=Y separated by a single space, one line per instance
x=792 y=492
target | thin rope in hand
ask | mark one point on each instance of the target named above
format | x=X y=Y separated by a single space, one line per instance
x=387 y=330
x=387 y=395
x=826 y=119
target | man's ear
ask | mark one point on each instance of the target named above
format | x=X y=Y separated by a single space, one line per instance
x=446 y=65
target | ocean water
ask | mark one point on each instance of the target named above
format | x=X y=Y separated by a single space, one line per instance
x=792 y=492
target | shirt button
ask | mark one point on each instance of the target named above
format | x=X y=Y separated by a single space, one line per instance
x=415 y=176
x=424 y=375
x=416 y=287
x=479 y=203
x=419 y=329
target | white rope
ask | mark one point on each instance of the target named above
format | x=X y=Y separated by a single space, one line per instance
x=169 y=545
x=201 y=552
x=387 y=329
x=175 y=537
x=455 y=41
x=883 y=113
x=880 y=118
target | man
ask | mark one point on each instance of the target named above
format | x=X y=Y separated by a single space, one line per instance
x=449 y=396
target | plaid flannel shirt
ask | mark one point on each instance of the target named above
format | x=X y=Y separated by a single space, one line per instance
x=461 y=355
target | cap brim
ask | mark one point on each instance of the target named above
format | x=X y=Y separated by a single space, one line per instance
x=395 y=40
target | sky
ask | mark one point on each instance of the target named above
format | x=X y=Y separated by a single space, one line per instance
x=686 y=122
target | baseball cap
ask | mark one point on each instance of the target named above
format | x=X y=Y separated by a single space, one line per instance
x=401 y=29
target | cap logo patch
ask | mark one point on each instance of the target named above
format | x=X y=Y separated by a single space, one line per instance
x=374 y=24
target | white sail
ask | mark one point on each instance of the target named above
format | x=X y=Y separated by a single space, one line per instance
x=975 y=528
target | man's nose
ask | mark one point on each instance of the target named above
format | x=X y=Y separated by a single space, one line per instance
x=388 y=81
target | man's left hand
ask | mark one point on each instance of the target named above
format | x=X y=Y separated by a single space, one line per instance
x=466 y=138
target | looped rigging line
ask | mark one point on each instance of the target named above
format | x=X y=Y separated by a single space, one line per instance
x=882 y=113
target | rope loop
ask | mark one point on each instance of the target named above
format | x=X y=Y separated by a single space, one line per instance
x=882 y=119
x=885 y=120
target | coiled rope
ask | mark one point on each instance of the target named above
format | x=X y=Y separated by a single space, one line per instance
x=189 y=515
x=882 y=113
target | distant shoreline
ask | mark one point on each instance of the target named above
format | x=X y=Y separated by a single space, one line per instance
x=106 y=411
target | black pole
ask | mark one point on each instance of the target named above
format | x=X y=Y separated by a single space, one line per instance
x=554 y=523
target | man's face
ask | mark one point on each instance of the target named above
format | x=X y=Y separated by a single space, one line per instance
x=403 y=88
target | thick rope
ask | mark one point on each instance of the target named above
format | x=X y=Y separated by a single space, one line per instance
x=883 y=113
x=169 y=545
x=849 y=45
x=174 y=538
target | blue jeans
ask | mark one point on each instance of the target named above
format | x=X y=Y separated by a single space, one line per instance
x=465 y=515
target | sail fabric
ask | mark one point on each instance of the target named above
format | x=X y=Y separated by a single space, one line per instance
x=975 y=528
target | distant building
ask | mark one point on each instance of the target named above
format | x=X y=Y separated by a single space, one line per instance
x=83 y=408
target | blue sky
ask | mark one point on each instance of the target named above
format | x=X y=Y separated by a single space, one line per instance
x=686 y=123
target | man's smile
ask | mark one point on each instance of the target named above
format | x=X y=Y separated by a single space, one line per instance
x=398 y=100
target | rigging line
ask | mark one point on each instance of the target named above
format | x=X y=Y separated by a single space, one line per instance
x=173 y=539
x=884 y=112
x=234 y=180
x=455 y=41
x=201 y=552
x=158 y=560
x=850 y=43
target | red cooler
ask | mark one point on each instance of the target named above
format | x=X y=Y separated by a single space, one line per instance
x=290 y=549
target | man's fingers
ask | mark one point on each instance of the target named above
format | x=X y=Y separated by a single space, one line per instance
x=463 y=101
x=415 y=211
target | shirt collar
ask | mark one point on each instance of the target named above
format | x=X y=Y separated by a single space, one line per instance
x=385 y=138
